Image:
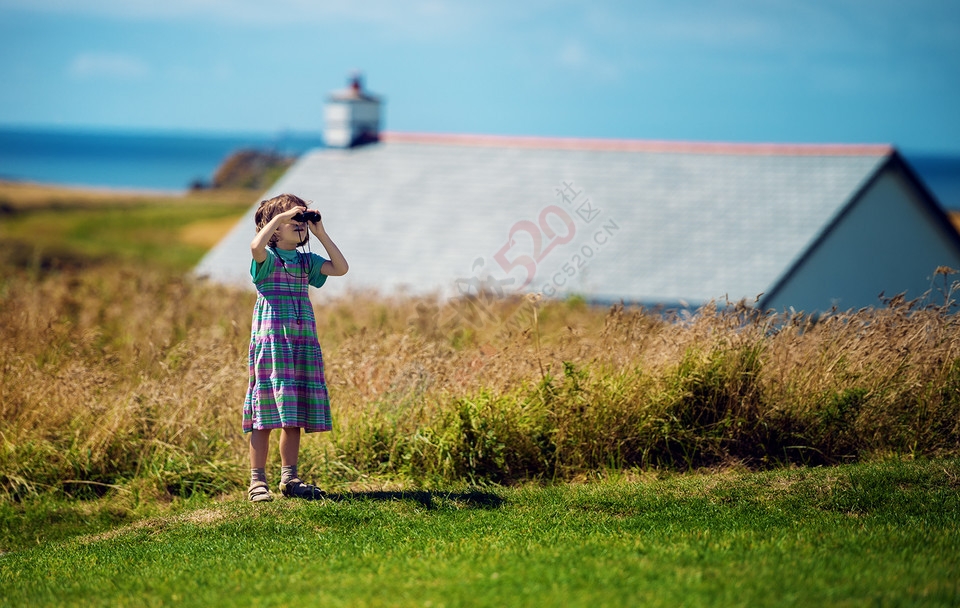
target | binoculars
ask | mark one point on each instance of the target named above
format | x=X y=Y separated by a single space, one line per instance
x=307 y=216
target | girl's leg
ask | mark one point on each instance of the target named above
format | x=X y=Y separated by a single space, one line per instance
x=259 y=445
x=289 y=446
x=290 y=483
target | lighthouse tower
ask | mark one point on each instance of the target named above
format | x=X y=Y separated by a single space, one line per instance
x=351 y=116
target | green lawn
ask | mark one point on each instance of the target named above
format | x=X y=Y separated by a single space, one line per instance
x=868 y=534
x=144 y=229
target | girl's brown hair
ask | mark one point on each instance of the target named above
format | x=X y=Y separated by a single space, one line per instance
x=270 y=208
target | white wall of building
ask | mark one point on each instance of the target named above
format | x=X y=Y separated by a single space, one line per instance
x=889 y=242
x=346 y=120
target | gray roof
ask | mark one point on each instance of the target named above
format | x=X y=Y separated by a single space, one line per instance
x=662 y=222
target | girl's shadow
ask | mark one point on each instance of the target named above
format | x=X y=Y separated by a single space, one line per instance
x=474 y=499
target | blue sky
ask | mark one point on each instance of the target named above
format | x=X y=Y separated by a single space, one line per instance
x=865 y=71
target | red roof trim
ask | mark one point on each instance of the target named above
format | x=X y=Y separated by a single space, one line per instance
x=638 y=145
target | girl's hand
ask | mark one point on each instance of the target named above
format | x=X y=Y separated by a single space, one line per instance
x=287 y=216
x=273 y=228
x=317 y=225
x=337 y=265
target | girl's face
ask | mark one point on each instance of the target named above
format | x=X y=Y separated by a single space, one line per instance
x=291 y=235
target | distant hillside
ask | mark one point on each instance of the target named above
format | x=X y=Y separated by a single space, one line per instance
x=253 y=169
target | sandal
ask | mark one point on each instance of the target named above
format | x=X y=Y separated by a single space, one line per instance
x=259 y=492
x=295 y=488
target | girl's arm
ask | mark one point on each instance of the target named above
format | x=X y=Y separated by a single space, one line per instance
x=337 y=265
x=258 y=247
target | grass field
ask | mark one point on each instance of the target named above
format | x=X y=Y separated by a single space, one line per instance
x=885 y=533
x=57 y=227
x=558 y=455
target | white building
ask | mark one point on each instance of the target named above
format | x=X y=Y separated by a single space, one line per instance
x=801 y=226
x=351 y=116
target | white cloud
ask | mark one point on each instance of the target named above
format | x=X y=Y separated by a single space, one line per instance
x=574 y=56
x=114 y=66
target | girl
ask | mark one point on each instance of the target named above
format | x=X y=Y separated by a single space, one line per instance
x=287 y=387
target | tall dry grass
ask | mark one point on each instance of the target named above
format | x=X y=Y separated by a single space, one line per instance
x=130 y=378
x=113 y=375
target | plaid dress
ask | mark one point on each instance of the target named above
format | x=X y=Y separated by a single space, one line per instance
x=287 y=386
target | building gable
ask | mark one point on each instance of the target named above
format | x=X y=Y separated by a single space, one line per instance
x=889 y=239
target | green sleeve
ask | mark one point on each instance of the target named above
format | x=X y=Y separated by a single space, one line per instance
x=261 y=270
x=317 y=278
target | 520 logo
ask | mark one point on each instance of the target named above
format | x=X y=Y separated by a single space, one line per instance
x=523 y=261
x=542 y=255
x=536 y=232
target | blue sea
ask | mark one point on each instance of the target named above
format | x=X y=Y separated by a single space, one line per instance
x=130 y=160
x=941 y=174
x=173 y=161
